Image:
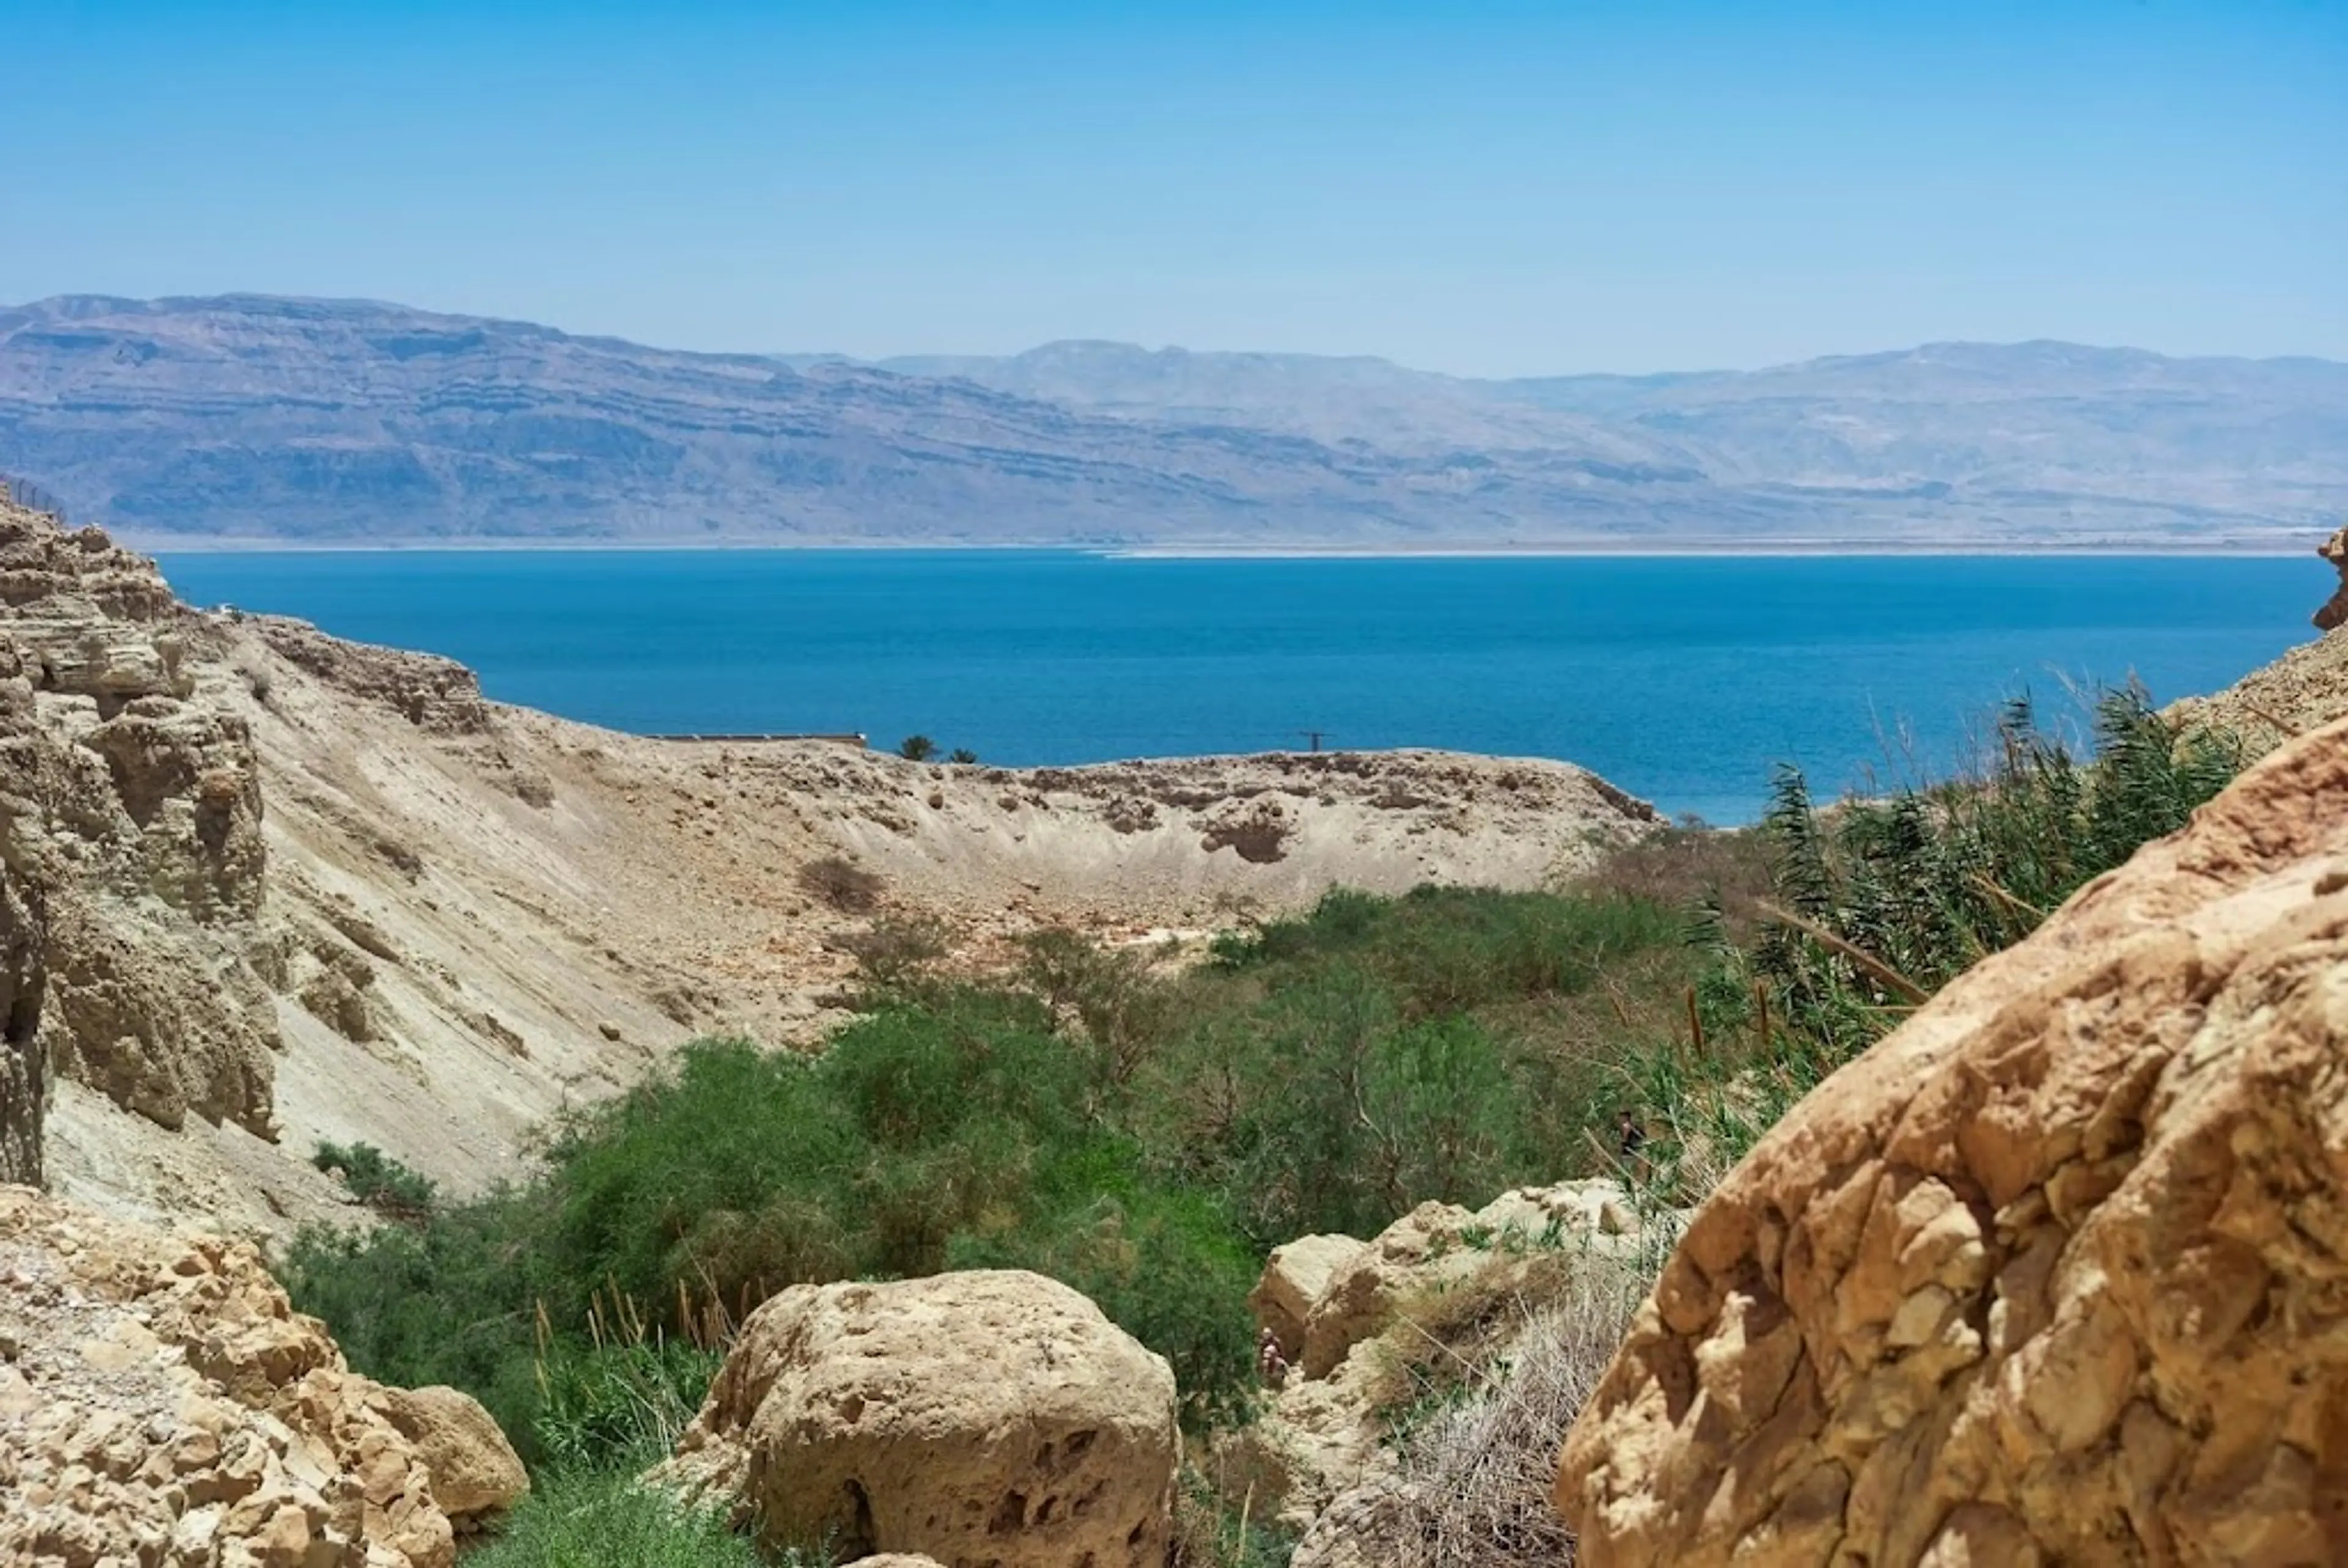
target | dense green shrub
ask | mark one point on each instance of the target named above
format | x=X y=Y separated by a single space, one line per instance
x=1874 y=904
x=1144 y=1137
x=393 y=1190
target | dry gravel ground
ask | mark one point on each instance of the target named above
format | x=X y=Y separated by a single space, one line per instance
x=530 y=913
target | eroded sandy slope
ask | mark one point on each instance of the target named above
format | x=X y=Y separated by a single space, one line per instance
x=466 y=915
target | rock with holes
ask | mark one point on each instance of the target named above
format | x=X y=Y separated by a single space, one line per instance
x=988 y=1420
x=2058 y=1272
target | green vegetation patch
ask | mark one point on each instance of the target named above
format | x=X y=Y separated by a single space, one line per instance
x=1146 y=1132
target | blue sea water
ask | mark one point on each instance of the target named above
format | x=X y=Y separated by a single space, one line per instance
x=1682 y=680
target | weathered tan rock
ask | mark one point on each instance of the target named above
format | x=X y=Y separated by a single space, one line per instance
x=1437 y=1242
x=2334 y=612
x=475 y=1474
x=2058 y=1272
x=990 y=1419
x=1322 y=1434
x=162 y=1401
x=431 y=692
x=1293 y=1278
x=24 y=938
x=2302 y=692
x=1362 y=1295
x=131 y=818
x=1313 y=1441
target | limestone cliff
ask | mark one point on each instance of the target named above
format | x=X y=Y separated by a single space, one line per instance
x=2056 y=1273
x=130 y=843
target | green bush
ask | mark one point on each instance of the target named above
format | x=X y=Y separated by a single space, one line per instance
x=378 y=1181
x=618 y=1405
x=1144 y=1137
x=606 y=1519
x=452 y=1300
x=1874 y=904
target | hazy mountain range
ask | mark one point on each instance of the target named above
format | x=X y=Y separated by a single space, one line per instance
x=252 y=418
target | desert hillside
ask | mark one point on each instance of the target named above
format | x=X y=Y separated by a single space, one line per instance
x=281 y=888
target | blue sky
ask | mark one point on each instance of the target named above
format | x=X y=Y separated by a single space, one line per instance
x=1488 y=189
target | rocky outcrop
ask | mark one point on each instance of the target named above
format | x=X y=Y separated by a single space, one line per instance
x=2304 y=689
x=1293 y=1278
x=1354 y=1310
x=1437 y=1242
x=160 y=1402
x=132 y=824
x=431 y=692
x=2058 y=1272
x=24 y=880
x=475 y=1474
x=989 y=1420
x=2334 y=612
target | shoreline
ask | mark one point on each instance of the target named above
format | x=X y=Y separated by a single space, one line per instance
x=1742 y=550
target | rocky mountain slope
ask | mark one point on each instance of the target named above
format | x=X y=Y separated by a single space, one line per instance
x=2303 y=690
x=2054 y=1274
x=262 y=418
x=261 y=889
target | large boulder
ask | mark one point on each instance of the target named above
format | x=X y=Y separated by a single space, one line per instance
x=1293 y=1278
x=475 y=1474
x=161 y=1401
x=1364 y=1292
x=989 y=1420
x=2058 y=1272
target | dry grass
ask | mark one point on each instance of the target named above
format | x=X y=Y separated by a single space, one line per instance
x=1682 y=867
x=847 y=888
x=1504 y=1362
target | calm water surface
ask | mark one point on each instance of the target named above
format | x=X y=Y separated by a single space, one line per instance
x=1683 y=680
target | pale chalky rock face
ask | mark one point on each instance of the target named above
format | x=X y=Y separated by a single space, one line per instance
x=160 y=1402
x=2058 y=1273
x=988 y=1420
x=130 y=852
x=1293 y=1278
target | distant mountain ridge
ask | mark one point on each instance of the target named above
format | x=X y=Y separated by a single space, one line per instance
x=259 y=419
